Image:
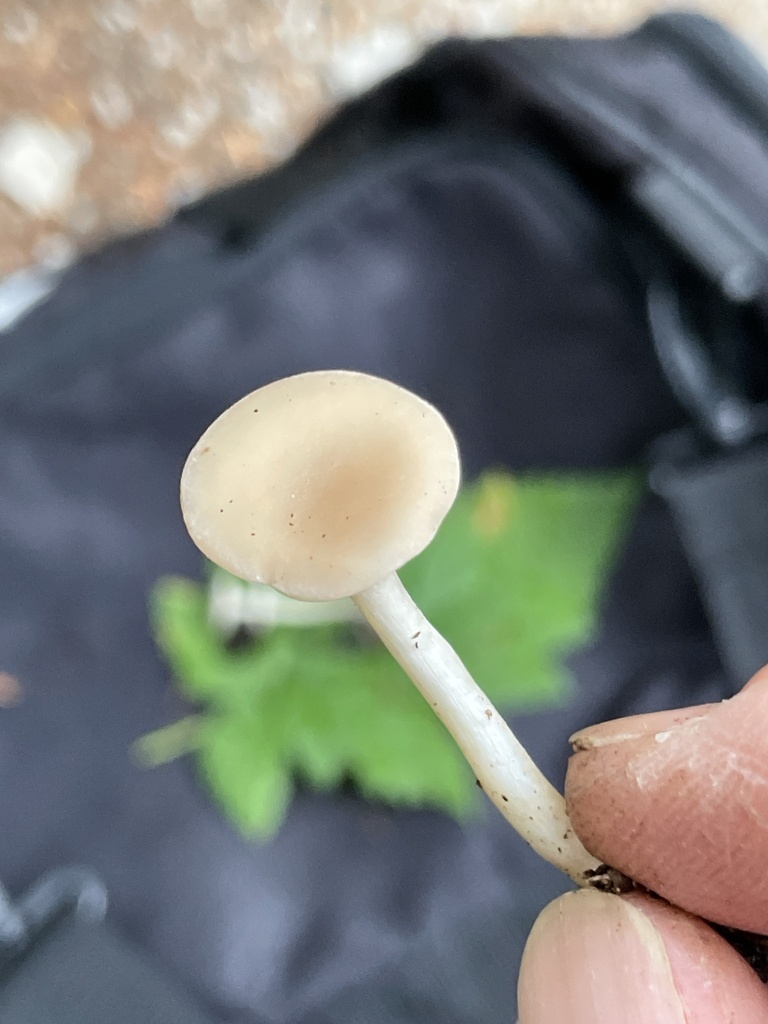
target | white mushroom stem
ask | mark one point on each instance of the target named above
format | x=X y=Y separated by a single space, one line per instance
x=501 y=764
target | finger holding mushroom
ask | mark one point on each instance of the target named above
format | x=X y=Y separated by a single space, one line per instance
x=322 y=486
x=678 y=800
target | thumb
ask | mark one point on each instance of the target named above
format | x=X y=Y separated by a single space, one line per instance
x=593 y=958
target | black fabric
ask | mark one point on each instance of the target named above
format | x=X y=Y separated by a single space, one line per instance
x=80 y=973
x=720 y=503
x=448 y=249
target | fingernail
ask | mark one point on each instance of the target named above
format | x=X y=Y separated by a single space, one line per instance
x=622 y=730
x=594 y=958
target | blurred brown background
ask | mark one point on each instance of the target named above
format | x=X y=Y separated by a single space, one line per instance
x=114 y=112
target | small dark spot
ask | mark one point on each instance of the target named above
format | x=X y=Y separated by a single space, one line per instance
x=323 y=535
x=231 y=500
x=221 y=510
x=241 y=641
x=505 y=798
x=489 y=713
x=559 y=849
x=204 y=451
x=530 y=818
x=416 y=635
x=478 y=783
x=253 y=534
x=417 y=645
x=291 y=524
x=255 y=410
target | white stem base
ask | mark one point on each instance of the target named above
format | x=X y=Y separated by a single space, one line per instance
x=501 y=764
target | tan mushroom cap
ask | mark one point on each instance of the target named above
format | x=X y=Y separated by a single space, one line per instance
x=320 y=484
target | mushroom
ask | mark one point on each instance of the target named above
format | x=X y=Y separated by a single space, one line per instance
x=323 y=485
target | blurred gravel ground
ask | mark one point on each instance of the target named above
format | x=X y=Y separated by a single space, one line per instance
x=115 y=112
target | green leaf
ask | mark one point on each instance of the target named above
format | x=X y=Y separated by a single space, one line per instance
x=203 y=666
x=243 y=764
x=170 y=742
x=513 y=580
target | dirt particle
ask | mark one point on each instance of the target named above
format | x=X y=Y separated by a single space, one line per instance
x=505 y=798
x=489 y=713
x=607 y=879
x=255 y=410
x=416 y=635
x=204 y=451
x=478 y=783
